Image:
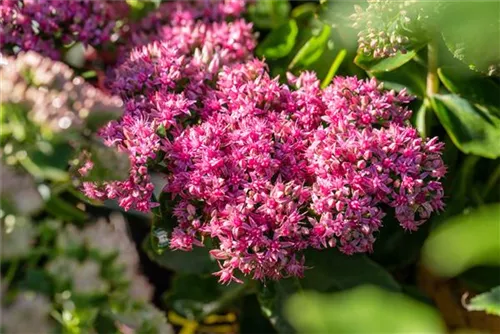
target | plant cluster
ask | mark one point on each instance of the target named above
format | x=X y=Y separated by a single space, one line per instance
x=263 y=168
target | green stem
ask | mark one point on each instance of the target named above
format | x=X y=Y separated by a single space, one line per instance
x=10 y=273
x=334 y=68
x=432 y=67
x=492 y=181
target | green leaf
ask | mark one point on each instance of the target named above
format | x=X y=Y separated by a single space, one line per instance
x=304 y=12
x=311 y=51
x=48 y=160
x=89 y=74
x=464 y=241
x=191 y=295
x=488 y=302
x=75 y=56
x=279 y=42
x=411 y=76
x=463 y=181
x=421 y=119
x=471 y=86
x=268 y=14
x=140 y=8
x=331 y=271
x=198 y=261
x=383 y=64
x=472 y=130
x=471 y=31
x=272 y=298
x=365 y=309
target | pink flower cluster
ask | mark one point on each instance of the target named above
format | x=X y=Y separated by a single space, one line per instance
x=45 y=26
x=162 y=83
x=264 y=169
x=273 y=171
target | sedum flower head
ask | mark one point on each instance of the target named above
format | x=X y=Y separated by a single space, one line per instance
x=18 y=192
x=28 y=313
x=272 y=171
x=45 y=26
x=53 y=95
x=162 y=83
x=239 y=177
x=366 y=156
x=106 y=240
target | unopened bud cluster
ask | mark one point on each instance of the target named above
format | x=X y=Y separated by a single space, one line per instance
x=385 y=27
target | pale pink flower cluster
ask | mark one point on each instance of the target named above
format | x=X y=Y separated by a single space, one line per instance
x=262 y=168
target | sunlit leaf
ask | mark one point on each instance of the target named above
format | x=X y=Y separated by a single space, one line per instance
x=362 y=310
x=268 y=14
x=373 y=65
x=304 y=12
x=464 y=241
x=488 y=302
x=279 y=42
x=311 y=51
x=337 y=61
x=471 y=31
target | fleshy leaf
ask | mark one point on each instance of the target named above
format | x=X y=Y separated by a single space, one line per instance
x=488 y=302
x=197 y=261
x=464 y=241
x=268 y=14
x=471 y=86
x=472 y=130
x=373 y=65
x=362 y=310
x=332 y=271
x=471 y=31
x=311 y=51
x=279 y=42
